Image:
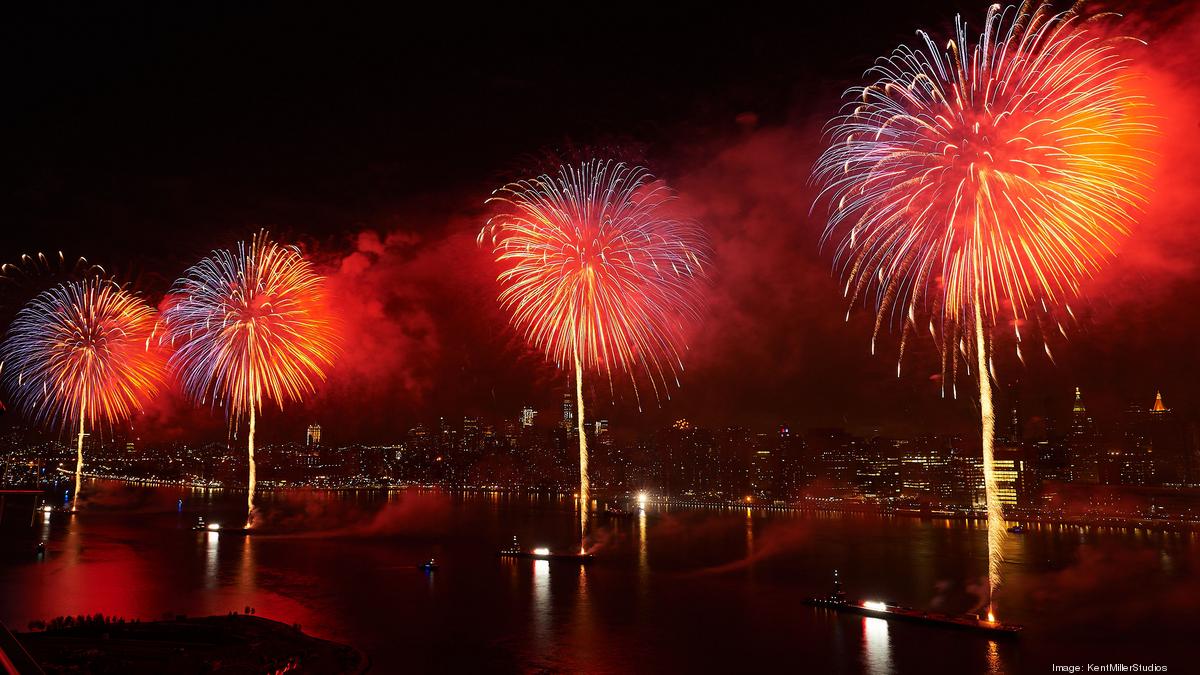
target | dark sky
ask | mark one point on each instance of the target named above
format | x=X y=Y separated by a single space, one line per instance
x=143 y=138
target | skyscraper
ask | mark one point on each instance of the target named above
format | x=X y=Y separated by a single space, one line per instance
x=1133 y=463
x=527 y=416
x=1082 y=444
x=1011 y=475
x=313 y=437
x=1014 y=432
x=568 y=411
x=1174 y=461
x=762 y=472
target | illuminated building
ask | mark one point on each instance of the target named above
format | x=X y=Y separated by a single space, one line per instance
x=791 y=463
x=964 y=470
x=568 y=412
x=1082 y=445
x=925 y=469
x=1051 y=459
x=1133 y=462
x=735 y=445
x=527 y=416
x=1010 y=471
x=762 y=473
x=313 y=436
x=691 y=461
x=1159 y=407
x=878 y=471
x=1172 y=452
x=831 y=448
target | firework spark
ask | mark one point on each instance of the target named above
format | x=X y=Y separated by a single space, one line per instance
x=249 y=326
x=599 y=276
x=984 y=182
x=82 y=353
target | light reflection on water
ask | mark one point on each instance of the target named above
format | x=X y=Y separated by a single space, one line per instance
x=643 y=553
x=583 y=633
x=749 y=533
x=247 y=573
x=995 y=664
x=620 y=615
x=542 y=609
x=44 y=532
x=877 y=646
x=212 y=544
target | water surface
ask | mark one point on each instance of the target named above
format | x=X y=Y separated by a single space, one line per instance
x=708 y=590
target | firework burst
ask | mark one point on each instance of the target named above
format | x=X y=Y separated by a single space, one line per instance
x=250 y=326
x=82 y=353
x=983 y=182
x=597 y=275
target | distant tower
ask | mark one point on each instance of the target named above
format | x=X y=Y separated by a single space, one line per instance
x=1175 y=462
x=1015 y=435
x=568 y=411
x=313 y=437
x=527 y=415
x=1085 y=465
x=1081 y=423
x=1158 y=406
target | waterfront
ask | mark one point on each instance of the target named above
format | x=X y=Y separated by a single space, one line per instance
x=681 y=590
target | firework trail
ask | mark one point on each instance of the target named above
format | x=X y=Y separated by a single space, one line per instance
x=984 y=182
x=83 y=353
x=30 y=269
x=249 y=326
x=598 y=276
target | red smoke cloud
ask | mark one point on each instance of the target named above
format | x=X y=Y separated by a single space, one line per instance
x=380 y=290
x=307 y=514
x=422 y=330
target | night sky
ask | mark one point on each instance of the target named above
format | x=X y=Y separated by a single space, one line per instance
x=142 y=139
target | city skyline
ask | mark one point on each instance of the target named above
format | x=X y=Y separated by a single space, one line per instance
x=1146 y=445
x=1012 y=400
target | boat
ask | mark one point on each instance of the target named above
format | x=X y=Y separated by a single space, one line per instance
x=614 y=512
x=428 y=566
x=202 y=526
x=1017 y=529
x=542 y=553
x=837 y=601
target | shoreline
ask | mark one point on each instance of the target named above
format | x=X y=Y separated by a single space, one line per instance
x=186 y=645
x=846 y=507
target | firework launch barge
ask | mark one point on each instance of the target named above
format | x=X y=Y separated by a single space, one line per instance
x=516 y=552
x=201 y=526
x=837 y=601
